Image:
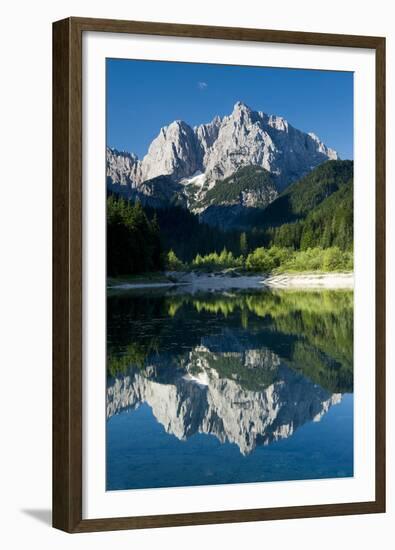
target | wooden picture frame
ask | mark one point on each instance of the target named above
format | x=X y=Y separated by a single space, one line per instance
x=67 y=273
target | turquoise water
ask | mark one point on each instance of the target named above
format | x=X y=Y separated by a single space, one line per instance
x=244 y=386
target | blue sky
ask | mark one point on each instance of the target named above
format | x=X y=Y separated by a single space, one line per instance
x=143 y=96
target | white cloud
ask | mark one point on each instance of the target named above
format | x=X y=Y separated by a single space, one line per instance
x=202 y=85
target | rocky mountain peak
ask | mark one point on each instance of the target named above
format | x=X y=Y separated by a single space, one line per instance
x=240 y=108
x=120 y=165
x=219 y=148
x=173 y=153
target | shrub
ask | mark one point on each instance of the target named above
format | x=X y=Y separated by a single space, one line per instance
x=218 y=261
x=173 y=263
x=267 y=259
x=277 y=259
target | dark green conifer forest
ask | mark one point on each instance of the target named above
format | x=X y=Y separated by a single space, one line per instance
x=309 y=224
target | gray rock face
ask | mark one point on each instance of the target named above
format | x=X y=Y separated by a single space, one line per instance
x=174 y=152
x=250 y=137
x=120 y=165
x=251 y=198
x=219 y=148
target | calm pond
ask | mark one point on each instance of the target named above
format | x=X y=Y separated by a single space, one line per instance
x=228 y=387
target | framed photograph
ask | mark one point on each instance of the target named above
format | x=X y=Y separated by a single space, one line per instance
x=218 y=275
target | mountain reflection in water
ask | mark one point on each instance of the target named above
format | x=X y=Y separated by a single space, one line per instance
x=249 y=368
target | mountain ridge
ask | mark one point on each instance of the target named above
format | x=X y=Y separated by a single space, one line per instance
x=216 y=150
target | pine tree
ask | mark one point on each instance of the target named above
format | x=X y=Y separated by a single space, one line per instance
x=172 y=262
x=243 y=244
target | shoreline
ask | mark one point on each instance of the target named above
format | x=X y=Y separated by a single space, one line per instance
x=228 y=281
x=330 y=280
